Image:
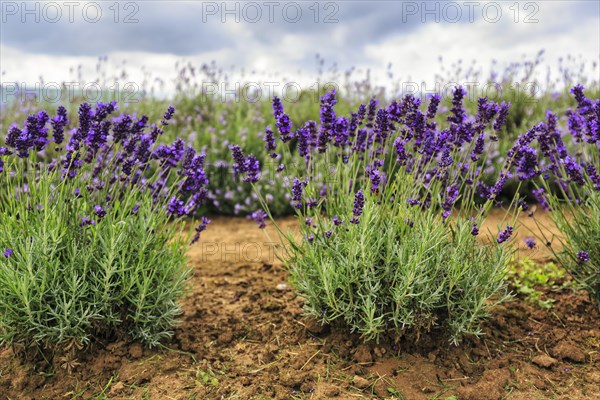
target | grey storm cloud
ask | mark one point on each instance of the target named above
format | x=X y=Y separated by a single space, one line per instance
x=186 y=28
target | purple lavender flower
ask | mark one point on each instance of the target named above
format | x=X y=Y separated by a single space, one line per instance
x=176 y=207
x=85 y=221
x=451 y=196
x=168 y=115
x=297 y=189
x=527 y=166
x=478 y=149
x=337 y=221
x=486 y=110
x=99 y=211
x=540 y=198
x=304 y=141
x=583 y=257
x=582 y=101
x=592 y=172
x=474 y=229
x=341 y=132
x=498 y=186
x=239 y=159
x=375 y=177
x=523 y=205
x=328 y=234
x=530 y=242
x=434 y=102
x=33 y=136
x=402 y=157
x=574 y=170
x=59 y=122
x=458 y=112
x=143 y=150
x=359 y=203
x=199 y=229
x=382 y=126
x=328 y=119
x=269 y=139
x=259 y=216
x=504 y=235
x=502 y=115
x=446 y=160
x=371 y=111
x=39 y=132
x=8 y=253
x=135 y=209
x=252 y=168
x=282 y=121
x=121 y=127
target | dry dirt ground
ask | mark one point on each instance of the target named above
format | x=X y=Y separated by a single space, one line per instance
x=243 y=336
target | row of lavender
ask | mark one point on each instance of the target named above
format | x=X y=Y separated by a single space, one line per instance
x=93 y=241
x=210 y=120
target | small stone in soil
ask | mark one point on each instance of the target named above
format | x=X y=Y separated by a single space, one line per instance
x=282 y=287
x=544 y=361
x=225 y=337
x=360 y=382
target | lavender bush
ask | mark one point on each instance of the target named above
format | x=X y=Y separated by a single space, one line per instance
x=385 y=248
x=569 y=165
x=92 y=242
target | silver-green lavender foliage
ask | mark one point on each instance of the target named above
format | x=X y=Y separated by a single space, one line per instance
x=92 y=244
x=385 y=247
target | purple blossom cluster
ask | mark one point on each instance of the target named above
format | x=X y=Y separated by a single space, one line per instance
x=282 y=121
x=444 y=157
x=250 y=166
x=122 y=154
x=505 y=234
x=260 y=217
x=542 y=151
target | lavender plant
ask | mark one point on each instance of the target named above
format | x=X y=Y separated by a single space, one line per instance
x=93 y=242
x=385 y=247
x=570 y=186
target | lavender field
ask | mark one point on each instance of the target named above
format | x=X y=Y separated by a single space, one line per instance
x=325 y=200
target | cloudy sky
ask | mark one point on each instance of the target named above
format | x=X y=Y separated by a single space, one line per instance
x=46 y=41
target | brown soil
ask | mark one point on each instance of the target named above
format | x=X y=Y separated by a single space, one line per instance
x=243 y=336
